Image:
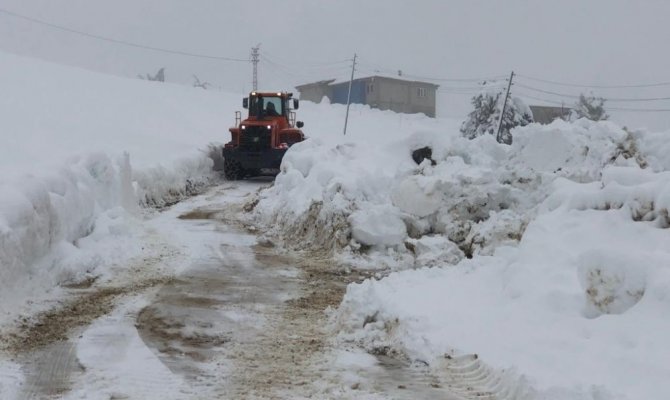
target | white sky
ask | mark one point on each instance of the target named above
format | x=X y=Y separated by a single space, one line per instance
x=606 y=42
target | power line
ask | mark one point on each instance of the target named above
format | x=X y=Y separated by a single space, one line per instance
x=121 y=42
x=378 y=69
x=428 y=78
x=541 y=99
x=281 y=68
x=375 y=69
x=341 y=63
x=458 y=93
x=546 y=91
x=473 y=91
x=277 y=66
x=643 y=85
x=290 y=71
x=638 y=109
x=470 y=88
x=616 y=99
x=497 y=84
x=606 y=108
x=292 y=76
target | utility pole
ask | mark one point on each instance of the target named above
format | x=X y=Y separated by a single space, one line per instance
x=502 y=114
x=254 y=61
x=353 y=68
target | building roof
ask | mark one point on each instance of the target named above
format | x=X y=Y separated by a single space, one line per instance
x=373 y=77
x=319 y=83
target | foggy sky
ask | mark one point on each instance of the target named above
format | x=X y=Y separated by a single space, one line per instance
x=596 y=42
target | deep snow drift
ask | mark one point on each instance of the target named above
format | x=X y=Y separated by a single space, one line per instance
x=81 y=151
x=550 y=255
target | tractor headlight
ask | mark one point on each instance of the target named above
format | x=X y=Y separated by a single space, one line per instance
x=269 y=126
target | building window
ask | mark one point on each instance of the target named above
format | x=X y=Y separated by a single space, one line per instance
x=421 y=92
x=371 y=87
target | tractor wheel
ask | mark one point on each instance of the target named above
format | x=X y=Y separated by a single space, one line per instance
x=232 y=170
x=253 y=172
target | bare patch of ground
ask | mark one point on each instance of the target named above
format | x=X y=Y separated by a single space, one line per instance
x=82 y=284
x=166 y=330
x=198 y=214
x=56 y=324
x=282 y=363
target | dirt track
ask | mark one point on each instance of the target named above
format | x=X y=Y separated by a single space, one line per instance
x=270 y=309
x=243 y=321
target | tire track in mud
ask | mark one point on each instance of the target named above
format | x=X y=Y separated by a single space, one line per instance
x=245 y=329
x=471 y=378
x=250 y=323
x=296 y=336
x=49 y=370
x=57 y=324
x=44 y=348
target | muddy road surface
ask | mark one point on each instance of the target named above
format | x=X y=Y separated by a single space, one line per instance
x=238 y=319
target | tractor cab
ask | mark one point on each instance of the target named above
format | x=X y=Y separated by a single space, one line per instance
x=268 y=105
x=260 y=106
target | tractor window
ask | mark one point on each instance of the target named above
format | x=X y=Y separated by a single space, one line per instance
x=255 y=105
x=273 y=106
x=266 y=106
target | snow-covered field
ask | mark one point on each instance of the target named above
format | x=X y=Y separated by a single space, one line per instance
x=547 y=258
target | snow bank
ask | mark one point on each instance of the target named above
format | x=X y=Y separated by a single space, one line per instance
x=475 y=192
x=572 y=289
x=81 y=152
x=326 y=179
x=551 y=253
x=580 y=303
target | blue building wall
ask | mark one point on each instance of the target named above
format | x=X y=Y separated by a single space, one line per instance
x=341 y=90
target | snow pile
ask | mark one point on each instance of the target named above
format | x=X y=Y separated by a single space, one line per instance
x=579 y=303
x=578 y=306
x=81 y=152
x=477 y=193
x=324 y=180
x=378 y=226
x=577 y=151
x=39 y=215
x=551 y=252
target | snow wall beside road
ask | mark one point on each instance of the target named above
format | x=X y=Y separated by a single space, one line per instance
x=549 y=256
x=81 y=152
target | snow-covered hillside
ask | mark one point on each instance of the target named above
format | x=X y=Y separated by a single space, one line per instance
x=550 y=256
x=82 y=150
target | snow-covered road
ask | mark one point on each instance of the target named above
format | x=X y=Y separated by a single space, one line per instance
x=547 y=258
x=238 y=320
